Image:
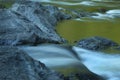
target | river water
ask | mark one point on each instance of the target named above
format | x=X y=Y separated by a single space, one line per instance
x=65 y=61
x=105 y=23
x=104 y=64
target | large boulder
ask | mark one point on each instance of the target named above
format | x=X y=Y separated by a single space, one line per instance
x=96 y=43
x=17 y=65
x=29 y=22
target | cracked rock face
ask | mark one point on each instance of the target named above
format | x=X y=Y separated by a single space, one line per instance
x=17 y=65
x=29 y=23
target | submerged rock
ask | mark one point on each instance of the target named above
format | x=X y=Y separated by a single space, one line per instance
x=96 y=43
x=17 y=65
x=29 y=22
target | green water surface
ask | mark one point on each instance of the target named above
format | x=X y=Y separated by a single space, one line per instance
x=74 y=30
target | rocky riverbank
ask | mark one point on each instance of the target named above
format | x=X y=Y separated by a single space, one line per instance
x=31 y=23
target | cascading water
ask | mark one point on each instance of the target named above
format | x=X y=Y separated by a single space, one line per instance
x=104 y=64
x=65 y=59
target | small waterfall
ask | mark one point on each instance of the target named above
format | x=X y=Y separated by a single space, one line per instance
x=104 y=64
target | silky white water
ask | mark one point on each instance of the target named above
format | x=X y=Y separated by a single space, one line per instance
x=104 y=64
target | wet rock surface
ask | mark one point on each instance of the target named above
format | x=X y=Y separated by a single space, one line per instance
x=17 y=65
x=96 y=43
x=29 y=23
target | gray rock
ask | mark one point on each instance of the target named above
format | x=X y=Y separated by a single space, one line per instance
x=96 y=43
x=17 y=65
x=29 y=23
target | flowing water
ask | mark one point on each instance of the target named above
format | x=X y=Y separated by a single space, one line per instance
x=105 y=23
x=65 y=60
x=104 y=64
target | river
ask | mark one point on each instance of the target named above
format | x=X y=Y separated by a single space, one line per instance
x=104 y=24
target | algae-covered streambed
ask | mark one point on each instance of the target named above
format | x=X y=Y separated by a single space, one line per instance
x=74 y=30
